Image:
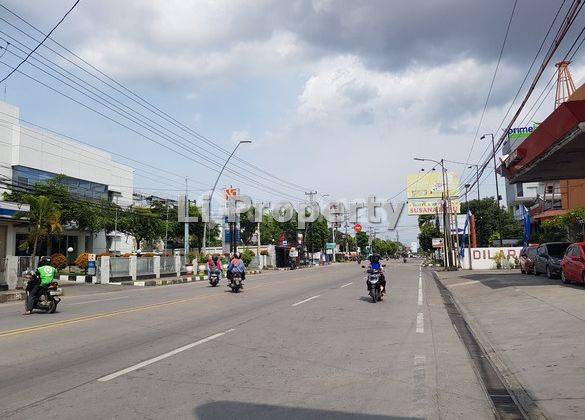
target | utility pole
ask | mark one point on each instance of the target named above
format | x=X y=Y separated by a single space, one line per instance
x=186 y=233
x=310 y=194
x=497 y=186
x=476 y=179
x=167 y=226
x=468 y=225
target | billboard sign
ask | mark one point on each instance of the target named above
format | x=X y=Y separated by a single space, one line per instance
x=437 y=242
x=416 y=208
x=424 y=185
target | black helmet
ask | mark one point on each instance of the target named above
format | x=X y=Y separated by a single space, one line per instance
x=237 y=255
x=44 y=261
x=374 y=258
x=215 y=258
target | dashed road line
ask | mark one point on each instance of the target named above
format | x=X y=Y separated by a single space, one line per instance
x=306 y=300
x=347 y=284
x=419 y=396
x=161 y=357
x=420 y=292
x=420 y=323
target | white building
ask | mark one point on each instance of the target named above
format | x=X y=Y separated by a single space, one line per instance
x=29 y=155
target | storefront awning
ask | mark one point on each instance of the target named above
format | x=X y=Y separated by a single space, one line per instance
x=555 y=150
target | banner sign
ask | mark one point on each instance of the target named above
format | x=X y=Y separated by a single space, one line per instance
x=430 y=184
x=491 y=258
x=416 y=208
x=437 y=242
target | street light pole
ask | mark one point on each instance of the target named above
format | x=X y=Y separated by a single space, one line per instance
x=446 y=234
x=476 y=179
x=497 y=187
x=213 y=190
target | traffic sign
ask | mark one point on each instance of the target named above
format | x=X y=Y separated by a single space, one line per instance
x=330 y=245
x=357 y=228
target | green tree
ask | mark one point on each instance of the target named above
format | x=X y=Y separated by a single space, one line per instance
x=362 y=241
x=486 y=221
x=44 y=217
x=143 y=224
x=248 y=227
x=428 y=230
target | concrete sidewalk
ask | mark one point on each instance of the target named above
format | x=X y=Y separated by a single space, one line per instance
x=533 y=330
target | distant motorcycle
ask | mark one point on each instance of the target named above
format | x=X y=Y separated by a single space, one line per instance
x=214 y=280
x=49 y=298
x=236 y=282
x=404 y=259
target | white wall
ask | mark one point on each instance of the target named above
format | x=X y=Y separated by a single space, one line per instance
x=483 y=258
x=45 y=151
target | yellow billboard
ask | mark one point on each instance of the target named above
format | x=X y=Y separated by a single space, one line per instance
x=430 y=185
x=417 y=208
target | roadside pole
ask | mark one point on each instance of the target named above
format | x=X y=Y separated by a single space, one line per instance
x=186 y=232
x=468 y=226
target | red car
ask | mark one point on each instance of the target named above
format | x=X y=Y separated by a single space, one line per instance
x=527 y=256
x=573 y=264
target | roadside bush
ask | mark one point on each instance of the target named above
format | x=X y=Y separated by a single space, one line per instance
x=247 y=256
x=81 y=261
x=202 y=258
x=59 y=261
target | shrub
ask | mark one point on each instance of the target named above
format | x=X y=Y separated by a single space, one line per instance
x=81 y=261
x=202 y=258
x=191 y=255
x=59 y=261
x=247 y=256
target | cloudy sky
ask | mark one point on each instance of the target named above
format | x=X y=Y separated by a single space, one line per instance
x=337 y=96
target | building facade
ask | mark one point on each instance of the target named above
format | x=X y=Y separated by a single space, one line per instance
x=29 y=155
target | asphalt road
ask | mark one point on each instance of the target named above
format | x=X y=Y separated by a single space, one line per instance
x=300 y=344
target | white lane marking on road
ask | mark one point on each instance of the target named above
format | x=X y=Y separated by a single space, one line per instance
x=420 y=323
x=347 y=284
x=419 y=397
x=463 y=283
x=161 y=357
x=306 y=300
x=420 y=292
x=97 y=300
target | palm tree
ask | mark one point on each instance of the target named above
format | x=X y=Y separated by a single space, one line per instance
x=44 y=219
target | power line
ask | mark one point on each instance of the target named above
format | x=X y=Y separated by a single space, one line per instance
x=41 y=43
x=487 y=99
x=134 y=97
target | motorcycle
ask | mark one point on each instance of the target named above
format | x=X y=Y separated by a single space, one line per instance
x=214 y=280
x=236 y=282
x=49 y=298
x=404 y=259
x=374 y=286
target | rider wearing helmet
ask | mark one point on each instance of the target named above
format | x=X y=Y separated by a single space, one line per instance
x=213 y=266
x=43 y=277
x=376 y=265
x=236 y=266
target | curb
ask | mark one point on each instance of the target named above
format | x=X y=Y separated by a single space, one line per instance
x=168 y=282
x=521 y=396
x=12 y=296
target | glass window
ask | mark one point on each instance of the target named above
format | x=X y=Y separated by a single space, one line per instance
x=557 y=250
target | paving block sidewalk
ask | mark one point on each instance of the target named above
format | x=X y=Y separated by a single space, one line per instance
x=533 y=330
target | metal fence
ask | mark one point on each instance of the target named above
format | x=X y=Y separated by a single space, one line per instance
x=167 y=265
x=144 y=266
x=119 y=267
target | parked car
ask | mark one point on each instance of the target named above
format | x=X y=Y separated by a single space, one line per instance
x=548 y=258
x=573 y=264
x=527 y=257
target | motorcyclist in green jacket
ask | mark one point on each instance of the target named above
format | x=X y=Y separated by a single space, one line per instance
x=43 y=277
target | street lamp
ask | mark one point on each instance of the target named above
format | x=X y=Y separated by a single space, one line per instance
x=497 y=187
x=213 y=190
x=476 y=179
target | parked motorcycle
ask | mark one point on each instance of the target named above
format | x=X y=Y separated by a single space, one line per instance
x=49 y=298
x=214 y=280
x=236 y=282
